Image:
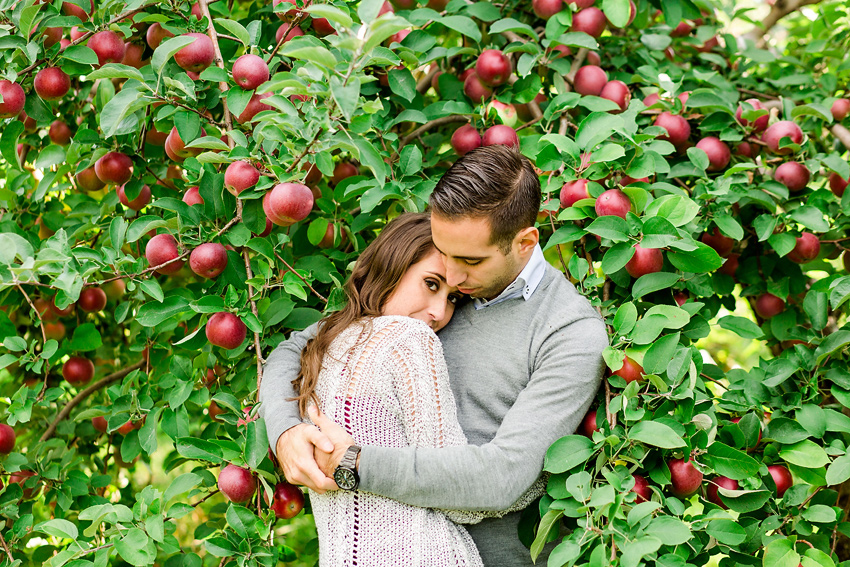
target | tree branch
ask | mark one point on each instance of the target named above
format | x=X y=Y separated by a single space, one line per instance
x=778 y=11
x=842 y=133
x=114 y=377
x=300 y=277
x=427 y=126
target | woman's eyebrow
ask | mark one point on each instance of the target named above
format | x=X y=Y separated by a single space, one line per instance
x=440 y=276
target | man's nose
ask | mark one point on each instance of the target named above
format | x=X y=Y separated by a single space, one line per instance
x=454 y=276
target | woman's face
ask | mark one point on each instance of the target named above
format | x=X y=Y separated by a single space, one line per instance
x=423 y=293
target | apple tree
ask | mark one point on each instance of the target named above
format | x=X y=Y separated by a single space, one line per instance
x=185 y=184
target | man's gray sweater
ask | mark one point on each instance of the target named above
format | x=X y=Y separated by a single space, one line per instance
x=523 y=372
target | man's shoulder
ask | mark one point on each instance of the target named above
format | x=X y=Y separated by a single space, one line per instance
x=560 y=297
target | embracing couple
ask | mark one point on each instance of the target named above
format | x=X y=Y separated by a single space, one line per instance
x=403 y=436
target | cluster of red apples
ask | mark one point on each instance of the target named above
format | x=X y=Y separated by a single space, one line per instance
x=239 y=486
x=686 y=479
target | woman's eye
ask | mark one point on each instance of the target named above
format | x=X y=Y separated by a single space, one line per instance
x=454 y=299
x=433 y=285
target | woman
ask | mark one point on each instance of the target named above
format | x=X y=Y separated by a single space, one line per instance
x=377 y=367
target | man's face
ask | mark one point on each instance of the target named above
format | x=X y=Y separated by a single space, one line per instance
x=473 y=264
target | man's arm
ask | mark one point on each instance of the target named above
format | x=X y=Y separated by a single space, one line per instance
x=493 y=476
x=291 y=440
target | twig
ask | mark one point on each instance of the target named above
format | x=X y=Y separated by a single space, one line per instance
x=842 y=133
x=300 y=277
x=114 y=377
x=427 y=126
x=305 y=152
x=283 y=39
x=758 y=94
x=531 y=122
x=219 y=61
x=250 y=274
x=186 y=107
x=6 y=547
x=425 y=82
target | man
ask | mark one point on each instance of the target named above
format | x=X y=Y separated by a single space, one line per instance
x=524 y=358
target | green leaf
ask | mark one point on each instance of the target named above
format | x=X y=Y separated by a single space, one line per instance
x=653 y=282
x=703 y=259
x=660 y=353
x=610 y=227
x=166 y=51
x=810 y=217
x=9 y=140
x=805 y=454
x=816 y=306
x=785 y=431
x=256 y=443
x=127 y=101
x=402 y=83
x=742 y=326
x=153 y=313
x=510 y=24
x=307 y=51
x=136 y=548
x=116 y=71
x=727 y=532
x=199 y=449
x=839 y=471
x=728 y=461
x=625 y=319
x=183 y=483
x=617 y=257
x=781 y=553
x=86 y=337
x=698 y=158
x=347 y=96
x=549 y=520
x=578 y=39
x=819 y=514
x=656 y=434
x=58 y=528
x=80 y=54
x=617 y=12
x=597 y=126
x=567 y=452
x=236 y=29
x=241 y=519
x=670 y=530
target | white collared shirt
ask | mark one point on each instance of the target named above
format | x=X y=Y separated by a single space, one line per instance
x=525 y=283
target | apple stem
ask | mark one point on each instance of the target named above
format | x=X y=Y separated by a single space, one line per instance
x=114 y=377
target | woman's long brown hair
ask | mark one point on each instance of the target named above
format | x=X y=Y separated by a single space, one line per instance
x=405 y=241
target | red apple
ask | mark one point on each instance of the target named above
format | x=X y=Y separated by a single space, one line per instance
x=781 y=478
x=254 y=107
x=70 y=9
x=590 y=80
x=156 y=34
x=475 y=89
x=613 y=202
x=837 y=184
x=678 y=129
x=322 y=27
x=239 y=176
x=465 y=139
x=591 y=21
x=588 y=424
x=176 y=148
x=92 y=299
x=794 y=175
x=294 y=31
x=288 y=500
x=7 y=439
x=236 y=483
x=288 y=203
x=840 y=109
x=13 y=99
x=768 y=305
x=137 y=204
x=760 y=123
x=730 y=266
x=618 y=93
x=641 y=488
x=343 y=170
x=196 y=56
x=806 y=249
x=114 y=168
x=133 y=53
x=645 y=261
x=99 y=423
x=226 y=330
x=250 y=71
x=718 y=153
x=722 y=244
x=545 y=9
x=500 y=135
x=21 y=477
x=782 y=129
x=51 y=83
x=681 y=30
x=573 y=191
x=115 y=289
x=108 y=46
x=78 y=370
x=716 y=483
x=684 y=476
x=192 y=196
x=160 y=249
x=631 y=371
x=493 y=67
x=208 y=260
x=59 y=133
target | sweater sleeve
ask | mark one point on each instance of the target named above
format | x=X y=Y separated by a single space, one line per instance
x=281 y=368
x=567 y=373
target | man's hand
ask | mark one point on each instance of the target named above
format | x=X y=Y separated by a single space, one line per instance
x=328 y=461
x=295 y=453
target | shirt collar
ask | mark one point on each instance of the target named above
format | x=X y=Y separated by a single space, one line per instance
x=524 y=285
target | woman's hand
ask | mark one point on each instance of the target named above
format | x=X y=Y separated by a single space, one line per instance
x=341 y=440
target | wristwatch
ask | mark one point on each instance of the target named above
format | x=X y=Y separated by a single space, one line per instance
x=345 y=475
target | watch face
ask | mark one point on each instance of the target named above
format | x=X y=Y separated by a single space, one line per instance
x=345 y=479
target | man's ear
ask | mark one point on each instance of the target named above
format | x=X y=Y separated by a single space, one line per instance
x=526 y=239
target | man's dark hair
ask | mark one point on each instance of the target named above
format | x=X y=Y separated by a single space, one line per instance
x=493 y=182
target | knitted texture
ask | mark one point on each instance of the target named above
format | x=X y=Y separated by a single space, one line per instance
x=385 y=381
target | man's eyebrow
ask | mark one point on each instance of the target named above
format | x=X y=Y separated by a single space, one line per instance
x=473 y=258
